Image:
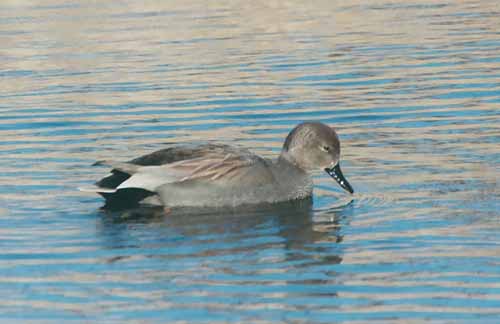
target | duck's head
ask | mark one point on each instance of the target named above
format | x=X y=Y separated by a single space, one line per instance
x=313 y=145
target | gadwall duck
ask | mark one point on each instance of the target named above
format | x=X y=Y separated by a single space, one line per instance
x=214 y=175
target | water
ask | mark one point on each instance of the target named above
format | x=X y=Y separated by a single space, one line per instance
x=413 y=89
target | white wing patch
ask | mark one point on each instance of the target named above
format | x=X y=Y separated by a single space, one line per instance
x=151 y=177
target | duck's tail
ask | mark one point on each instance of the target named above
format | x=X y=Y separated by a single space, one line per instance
x=117 y=199
x=97 y=189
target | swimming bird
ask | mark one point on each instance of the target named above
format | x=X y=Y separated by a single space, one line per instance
x=217 y=175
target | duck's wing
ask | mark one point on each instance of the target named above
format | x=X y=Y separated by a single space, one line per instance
x=157 y=158
x=180 y=153
x=210 y=168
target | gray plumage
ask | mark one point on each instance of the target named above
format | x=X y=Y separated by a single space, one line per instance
x=216 y=175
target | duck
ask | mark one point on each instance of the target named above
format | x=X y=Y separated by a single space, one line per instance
x=220 y=175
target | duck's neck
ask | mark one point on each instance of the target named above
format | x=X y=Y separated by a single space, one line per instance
x=294 y=180
x=286 y=158
x=286 y=161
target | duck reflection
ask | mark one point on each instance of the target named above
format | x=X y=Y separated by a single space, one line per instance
x=300 y=235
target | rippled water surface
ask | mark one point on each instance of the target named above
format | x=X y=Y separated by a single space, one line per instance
x=413 y=89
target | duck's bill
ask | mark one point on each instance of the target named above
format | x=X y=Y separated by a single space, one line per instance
x=336 y=173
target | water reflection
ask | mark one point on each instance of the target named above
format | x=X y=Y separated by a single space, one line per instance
x=292 y=227
x=238 y=260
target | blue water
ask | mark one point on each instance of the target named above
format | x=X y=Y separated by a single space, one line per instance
x=413 y=89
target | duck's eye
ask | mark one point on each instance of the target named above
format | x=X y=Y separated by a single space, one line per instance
x=326 y=148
